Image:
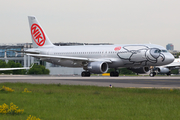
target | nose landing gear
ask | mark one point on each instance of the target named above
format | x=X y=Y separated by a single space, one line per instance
x=152 y=71
x=152 y=74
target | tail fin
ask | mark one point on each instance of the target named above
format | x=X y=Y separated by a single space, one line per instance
x=39 y=37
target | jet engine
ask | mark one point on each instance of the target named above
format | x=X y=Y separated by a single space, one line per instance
x=97 y=67
x=140 y=70
x=163 y=70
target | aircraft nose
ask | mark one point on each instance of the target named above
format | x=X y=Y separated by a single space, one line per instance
x=169 y=58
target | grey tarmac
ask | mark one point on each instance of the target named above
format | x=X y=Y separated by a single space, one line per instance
x=165 y=82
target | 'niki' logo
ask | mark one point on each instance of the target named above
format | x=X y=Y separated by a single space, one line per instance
x=117 y=48
x=38 y=35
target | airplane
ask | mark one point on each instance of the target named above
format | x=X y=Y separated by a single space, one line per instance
x=166 y=69
x=96 y=59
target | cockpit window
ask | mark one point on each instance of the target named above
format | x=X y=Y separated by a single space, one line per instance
x=157 y=51
x=164 y=51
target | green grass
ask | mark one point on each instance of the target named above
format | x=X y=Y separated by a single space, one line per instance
x=66 y=102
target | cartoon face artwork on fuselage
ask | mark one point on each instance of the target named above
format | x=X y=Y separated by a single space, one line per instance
x=140 y=55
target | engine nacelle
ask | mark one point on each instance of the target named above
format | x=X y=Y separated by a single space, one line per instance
x=163 y=70
x=140 y=70
x=97 y=67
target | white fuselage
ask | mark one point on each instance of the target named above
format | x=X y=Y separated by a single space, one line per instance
x=126 y=56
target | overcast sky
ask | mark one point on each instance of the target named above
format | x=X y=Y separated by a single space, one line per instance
x=93 y=21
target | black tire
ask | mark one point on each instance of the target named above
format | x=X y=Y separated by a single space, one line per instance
x=111 y=74
x=154 y=73
x=85 y=74
x=114 y=74
x=151 y=74
x=88 y=74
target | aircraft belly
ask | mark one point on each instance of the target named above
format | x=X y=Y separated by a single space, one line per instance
x=63 y=62
x=116 y=63
x=70 y=63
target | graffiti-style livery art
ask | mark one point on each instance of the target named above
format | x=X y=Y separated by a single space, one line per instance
x=140 y=55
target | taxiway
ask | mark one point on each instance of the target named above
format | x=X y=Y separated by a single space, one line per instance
x=122 y=81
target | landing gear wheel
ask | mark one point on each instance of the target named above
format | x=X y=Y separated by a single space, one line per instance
x=152 y=74
x=85 y=74
x=114 y=74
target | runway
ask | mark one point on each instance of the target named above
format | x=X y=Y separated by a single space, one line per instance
x=121 y=81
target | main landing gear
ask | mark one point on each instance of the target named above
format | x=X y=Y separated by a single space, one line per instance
x=85 y=74
x=168 y=74
x=88 y=74
x=114 y=74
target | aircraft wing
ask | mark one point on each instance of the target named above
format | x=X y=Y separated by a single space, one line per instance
x=175 y=64
x=20 y=68
x=172 y=66
x=69 y=58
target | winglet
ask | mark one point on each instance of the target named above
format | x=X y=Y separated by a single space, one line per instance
x=31 y=66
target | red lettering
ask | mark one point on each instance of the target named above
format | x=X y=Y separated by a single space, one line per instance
x=38 y=37
x=38 y=34
x=41 y=42
x=34 y=29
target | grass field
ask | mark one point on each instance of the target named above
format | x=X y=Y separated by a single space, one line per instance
x=65 y=102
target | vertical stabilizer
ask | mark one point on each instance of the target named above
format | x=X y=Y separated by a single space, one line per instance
x=39 y=37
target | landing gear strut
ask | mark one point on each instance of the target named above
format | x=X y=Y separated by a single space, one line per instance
x=85 y=74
